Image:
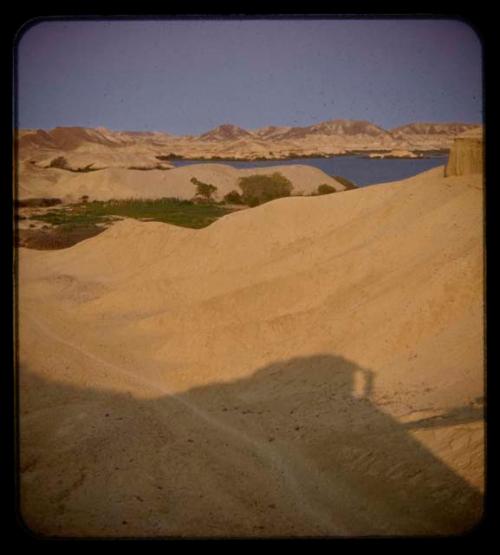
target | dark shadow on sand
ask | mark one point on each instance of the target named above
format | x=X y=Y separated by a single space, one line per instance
x=289 y=451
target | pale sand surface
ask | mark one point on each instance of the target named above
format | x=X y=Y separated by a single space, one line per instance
x=312 y=366
x=120 y=183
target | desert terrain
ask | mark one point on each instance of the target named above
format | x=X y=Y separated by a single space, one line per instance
x=101 y=148
x=123 y=183
x=312 y=366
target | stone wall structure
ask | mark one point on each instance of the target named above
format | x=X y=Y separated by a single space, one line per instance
x=466 y=154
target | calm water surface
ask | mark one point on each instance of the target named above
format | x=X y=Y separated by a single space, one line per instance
x=361 y=171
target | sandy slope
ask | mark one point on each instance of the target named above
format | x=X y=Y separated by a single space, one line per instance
x=118 y=183
x=312 y=366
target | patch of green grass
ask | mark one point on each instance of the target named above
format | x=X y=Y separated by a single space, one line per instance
x=173 y=211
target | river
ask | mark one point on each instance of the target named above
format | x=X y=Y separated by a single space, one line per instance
x=361 y=171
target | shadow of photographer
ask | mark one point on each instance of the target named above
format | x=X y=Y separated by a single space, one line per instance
x=296 y=449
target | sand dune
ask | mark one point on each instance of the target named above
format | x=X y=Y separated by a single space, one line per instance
x=312 y=366
x=119 y=183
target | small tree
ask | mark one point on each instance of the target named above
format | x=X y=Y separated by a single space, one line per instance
x=325 y=189
x=205 y=190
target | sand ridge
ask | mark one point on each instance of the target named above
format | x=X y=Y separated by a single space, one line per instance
x=120 y=183
x=266 y=375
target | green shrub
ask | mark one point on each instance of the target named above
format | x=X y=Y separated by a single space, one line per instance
x=170 y=210
x=233 y=197
x=258 y=189
x=325 y=189
x=171 y=156
x=205 y=190
x=253 y=201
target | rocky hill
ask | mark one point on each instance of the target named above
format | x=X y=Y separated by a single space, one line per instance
x=225 y=132
x=429 y=136
x=328 y=138
x=338 y=127
x=432 y=129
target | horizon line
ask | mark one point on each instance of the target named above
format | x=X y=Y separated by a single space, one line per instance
x=145 y=130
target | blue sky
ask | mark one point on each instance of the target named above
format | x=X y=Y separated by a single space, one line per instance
x=186 y=77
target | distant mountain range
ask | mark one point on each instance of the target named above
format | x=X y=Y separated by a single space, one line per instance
x=339 y=127
x=227 y=141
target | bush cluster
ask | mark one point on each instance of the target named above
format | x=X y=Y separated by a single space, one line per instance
x=233 y=197
x=325 y=189
x=258 y=189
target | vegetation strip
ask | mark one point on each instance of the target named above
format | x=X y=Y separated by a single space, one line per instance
x=168 y=210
